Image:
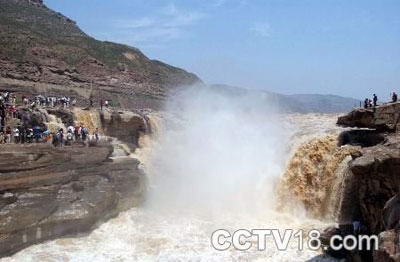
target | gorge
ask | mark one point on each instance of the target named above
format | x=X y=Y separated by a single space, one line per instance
x=281 y=172
x=179 y=159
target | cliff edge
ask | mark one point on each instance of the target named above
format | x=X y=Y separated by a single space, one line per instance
x=371 y=182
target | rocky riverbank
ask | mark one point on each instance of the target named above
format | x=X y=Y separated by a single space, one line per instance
x=370 y=185
x=50 y=192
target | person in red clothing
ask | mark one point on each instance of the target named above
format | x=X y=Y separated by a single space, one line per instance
x=14 y=111
x=77 y=133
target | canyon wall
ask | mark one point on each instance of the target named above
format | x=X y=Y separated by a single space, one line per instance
x=372 y=181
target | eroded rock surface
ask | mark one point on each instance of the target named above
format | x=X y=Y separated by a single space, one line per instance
x=370 y=193
x=48 y=192
x=373 y=179
x=384 y=118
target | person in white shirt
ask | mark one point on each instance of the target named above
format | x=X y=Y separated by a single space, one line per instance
x=71 y=129
x=16 y=135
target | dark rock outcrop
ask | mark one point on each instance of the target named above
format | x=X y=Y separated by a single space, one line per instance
x=363 y=138
x=47 y=192
x=375 y=180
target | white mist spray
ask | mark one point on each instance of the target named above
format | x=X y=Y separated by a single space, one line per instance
x=215 y=166
x=218 y=151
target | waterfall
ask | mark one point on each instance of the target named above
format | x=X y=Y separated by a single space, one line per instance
x=89 y=118
x=214 y=163
x=313 y=178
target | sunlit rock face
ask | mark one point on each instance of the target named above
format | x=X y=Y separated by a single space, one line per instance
x=383 y=118
x=124 y=125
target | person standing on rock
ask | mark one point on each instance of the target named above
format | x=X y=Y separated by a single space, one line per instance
x=375 y=98
x=77 y=133
x=71 y=129
x=16 y=135
x=2 y=115
x=22 y=134
x=394 y=97
x=96 y=135
x=29 y=135
x=101 y=104
x=70 y=138
x=84 y=133
x=37 y=133
x=13 y=110
x=366 y=103
x=8 y=134
x=58 y=139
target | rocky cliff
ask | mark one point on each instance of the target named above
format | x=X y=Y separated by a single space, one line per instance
x=44 y=51
x=371 y=181
x=48 y=192
x=384 y=118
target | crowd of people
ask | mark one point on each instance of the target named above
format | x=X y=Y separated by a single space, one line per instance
x=14 y=130
x=368 y=103
x=23 y=134
x=372 y=103
x=49 y=101
x=74 y=134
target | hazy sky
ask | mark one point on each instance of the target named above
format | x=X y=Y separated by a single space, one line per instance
x=344 y=47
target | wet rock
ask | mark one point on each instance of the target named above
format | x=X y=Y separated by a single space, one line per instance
x=47 y=192
x=325 y=239
x=389 y=248
x=370 y=186
x=391 y=213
